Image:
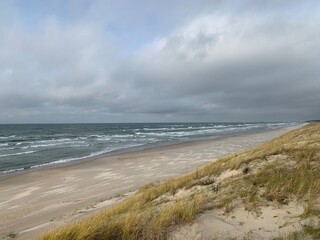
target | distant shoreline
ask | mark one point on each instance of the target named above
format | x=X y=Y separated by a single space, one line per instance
x=149 y=146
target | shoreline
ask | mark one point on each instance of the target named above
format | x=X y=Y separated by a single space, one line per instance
x=36 y=201
x=146 y=147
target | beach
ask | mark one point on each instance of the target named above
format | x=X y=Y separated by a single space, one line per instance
x=40 y=200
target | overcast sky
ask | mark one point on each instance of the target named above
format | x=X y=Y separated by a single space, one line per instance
x=159 y=61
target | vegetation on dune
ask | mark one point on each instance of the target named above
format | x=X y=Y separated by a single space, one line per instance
x=281 y=170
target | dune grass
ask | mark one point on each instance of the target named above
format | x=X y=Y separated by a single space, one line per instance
x=283 y=169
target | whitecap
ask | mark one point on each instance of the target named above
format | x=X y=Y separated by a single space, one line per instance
x=15 y=154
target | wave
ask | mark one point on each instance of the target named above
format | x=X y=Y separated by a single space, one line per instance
x=66 y=160
x=40 y=146
x=195 y=128
x=54 y=140
x=69 y=144
x=195 y=132
x=6 y=137
x=122 y=135
x=159 y=129
x=12 y=170
x=83 y=157
x=15 y=154
x=53 y=143
x=7 y=148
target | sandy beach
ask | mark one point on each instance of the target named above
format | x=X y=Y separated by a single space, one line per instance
x=33 y=202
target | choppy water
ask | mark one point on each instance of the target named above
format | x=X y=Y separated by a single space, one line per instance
x=36 y=145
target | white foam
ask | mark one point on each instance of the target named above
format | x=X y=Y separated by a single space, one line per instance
x=122 y=136
x=71 y=159
x=12 y=170
x=15 y=154
x=63 y=140
x=84 y=157
x=6 y=149
x=6 y=137
x=104 y=138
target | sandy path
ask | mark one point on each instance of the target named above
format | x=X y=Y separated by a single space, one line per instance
x=33 y=202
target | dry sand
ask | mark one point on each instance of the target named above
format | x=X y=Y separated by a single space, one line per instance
x=237 y=222
x=33 y=202
x=271 y=222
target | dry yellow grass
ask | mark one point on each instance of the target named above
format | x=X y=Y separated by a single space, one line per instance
x=281 y=170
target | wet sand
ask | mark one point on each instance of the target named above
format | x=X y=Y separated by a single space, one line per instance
x=34 y=202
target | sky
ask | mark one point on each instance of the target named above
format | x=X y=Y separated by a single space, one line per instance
x=75 y=61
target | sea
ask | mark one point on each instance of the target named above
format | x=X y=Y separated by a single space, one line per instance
x=31 y=146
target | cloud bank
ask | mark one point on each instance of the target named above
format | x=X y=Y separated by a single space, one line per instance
x=255 y=61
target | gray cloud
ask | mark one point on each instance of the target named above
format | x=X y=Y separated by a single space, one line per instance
x=215 y=62
x=253 y=72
